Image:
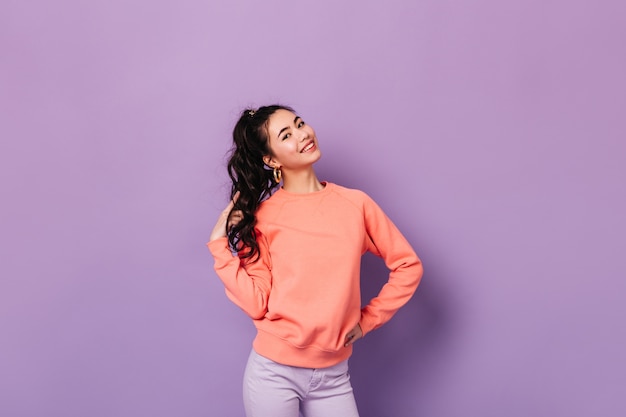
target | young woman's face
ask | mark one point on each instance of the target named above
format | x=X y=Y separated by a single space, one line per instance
x=293 y=143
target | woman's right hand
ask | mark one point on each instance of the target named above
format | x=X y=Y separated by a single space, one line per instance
x=223 y=222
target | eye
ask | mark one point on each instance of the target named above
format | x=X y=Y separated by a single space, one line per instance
x=301 y=123
x=286 y=136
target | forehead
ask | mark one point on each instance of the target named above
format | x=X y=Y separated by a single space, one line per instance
x=280 y=119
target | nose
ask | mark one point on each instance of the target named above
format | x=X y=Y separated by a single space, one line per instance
x=303 y=135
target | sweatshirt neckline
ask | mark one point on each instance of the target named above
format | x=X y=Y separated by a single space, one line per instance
x=325 y=190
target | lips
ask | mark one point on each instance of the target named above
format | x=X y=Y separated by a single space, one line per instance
x=308 y=147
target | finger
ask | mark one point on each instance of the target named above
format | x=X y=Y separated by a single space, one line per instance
x=350 y=338
x=229 y=207
x=232 y=202
x=236 y=216
x=231 y=224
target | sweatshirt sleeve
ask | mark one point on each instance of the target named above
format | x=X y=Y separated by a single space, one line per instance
x=247 y=284
x=386 y=241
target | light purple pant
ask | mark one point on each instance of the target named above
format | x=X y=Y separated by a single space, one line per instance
x=274 y=390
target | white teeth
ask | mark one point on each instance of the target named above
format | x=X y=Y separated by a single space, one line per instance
x=306 y=148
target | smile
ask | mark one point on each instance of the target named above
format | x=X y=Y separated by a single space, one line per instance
x=308 y=147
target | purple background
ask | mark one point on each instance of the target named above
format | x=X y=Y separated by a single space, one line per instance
x=492 y=132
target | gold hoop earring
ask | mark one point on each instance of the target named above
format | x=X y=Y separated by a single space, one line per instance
x=278 y=175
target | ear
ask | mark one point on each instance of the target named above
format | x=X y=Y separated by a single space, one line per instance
x=269 y=161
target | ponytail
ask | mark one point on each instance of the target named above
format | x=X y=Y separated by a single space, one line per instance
x=250 y=176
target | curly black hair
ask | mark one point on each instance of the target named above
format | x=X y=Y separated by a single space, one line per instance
x=250 y=176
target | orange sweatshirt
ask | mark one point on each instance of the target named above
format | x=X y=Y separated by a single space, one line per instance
x=304 y=292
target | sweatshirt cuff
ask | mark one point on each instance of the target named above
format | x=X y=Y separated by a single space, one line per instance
x=218 y=245
x=366 y=325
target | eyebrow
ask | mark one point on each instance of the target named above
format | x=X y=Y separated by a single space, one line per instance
x=287 y=127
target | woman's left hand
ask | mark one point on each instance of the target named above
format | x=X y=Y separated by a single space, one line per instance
x=227 y=219
x=353 y=335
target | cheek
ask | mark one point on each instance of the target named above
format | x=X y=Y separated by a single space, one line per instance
x=285 y=149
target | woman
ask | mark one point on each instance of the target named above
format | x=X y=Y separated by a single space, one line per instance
x=297 y=269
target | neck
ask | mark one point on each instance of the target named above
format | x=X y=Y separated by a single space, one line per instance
x=301 y=182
